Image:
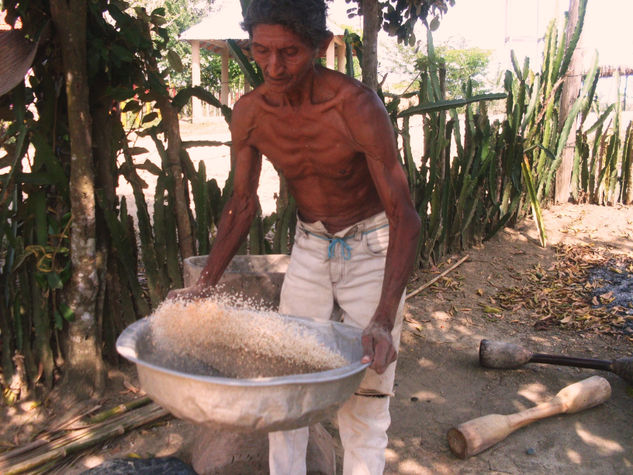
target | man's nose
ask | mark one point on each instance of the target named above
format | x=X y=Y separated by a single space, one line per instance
x=275 y=65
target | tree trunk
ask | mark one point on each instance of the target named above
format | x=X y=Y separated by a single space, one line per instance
x=571 y=89
x=371 y=26
x=84 y=368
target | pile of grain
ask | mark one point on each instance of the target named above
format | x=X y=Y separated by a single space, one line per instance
x=239 y=342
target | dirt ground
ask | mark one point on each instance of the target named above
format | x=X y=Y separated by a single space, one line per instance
x=439 y=381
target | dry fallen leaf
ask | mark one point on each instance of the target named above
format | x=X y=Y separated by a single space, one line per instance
x=607 y=298
x=563 y=294
x=489 y=309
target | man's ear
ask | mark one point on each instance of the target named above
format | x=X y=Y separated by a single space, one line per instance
x=325 y=43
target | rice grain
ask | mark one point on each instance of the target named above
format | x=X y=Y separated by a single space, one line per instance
x=239 y=342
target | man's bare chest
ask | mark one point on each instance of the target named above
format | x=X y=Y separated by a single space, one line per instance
x=306 y=144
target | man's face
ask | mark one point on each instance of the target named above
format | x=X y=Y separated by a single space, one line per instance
x=283 y=56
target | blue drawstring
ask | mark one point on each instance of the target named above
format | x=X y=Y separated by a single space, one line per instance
x=346 y=250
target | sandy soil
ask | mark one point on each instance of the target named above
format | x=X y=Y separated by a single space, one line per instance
x=439 y=381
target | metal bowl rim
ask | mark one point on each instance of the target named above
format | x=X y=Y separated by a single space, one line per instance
x=318 y=377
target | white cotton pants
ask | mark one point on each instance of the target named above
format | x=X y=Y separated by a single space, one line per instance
x=346 y=268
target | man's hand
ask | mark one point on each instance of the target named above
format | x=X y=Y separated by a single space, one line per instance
x=378 y=347
x=194 y=292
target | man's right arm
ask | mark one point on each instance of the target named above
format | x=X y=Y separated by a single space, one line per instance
x=239 y=211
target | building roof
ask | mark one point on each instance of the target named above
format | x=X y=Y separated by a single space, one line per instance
x=222 y=24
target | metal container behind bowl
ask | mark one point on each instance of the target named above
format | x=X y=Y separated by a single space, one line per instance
x=256 y=276
x=189 y=392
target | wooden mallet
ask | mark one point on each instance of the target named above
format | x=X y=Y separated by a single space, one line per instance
x=497 y=354
x=477 y=435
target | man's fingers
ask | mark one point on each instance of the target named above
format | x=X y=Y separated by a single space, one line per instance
x=368 y=348
x=190 y=293
x=173 y=294
x=384 y=356
x=380 y=357
x=378 y=350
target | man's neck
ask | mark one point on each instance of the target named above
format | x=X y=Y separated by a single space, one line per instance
x=298 y=96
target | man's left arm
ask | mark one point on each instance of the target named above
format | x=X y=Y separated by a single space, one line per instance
x=377 y=141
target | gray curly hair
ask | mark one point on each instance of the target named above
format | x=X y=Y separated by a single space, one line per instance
x=306 y=18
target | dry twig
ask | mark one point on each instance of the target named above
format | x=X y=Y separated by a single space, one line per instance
x=435 y=279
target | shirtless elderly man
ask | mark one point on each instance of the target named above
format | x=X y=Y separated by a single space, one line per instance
x=357 y=229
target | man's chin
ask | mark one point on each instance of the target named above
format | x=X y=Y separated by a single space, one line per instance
x=278 y=86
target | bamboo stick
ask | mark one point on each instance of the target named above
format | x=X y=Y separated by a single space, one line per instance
x=120 y=409
x=69 y=422
x=83 y=438
x=22 y=449
x=435 y=279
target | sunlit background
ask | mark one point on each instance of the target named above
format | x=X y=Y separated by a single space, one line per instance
x=520 y=25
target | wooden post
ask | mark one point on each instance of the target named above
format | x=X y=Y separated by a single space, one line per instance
x=196 y=105
x=329 y=55
x=224 y=85
x=571 y=89
x=340 y=58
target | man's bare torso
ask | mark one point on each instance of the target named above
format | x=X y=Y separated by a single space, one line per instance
x=312 y=147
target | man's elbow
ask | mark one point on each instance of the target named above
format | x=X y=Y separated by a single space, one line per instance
x=252 y=206
x=242 y=207
x=407 y=225
x=414 y=224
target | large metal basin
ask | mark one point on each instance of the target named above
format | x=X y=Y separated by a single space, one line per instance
x=191 y=392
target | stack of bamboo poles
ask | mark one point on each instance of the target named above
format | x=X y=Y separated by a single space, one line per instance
x=52 y=447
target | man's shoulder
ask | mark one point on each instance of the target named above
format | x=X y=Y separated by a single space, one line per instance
x=243 y=118
x=246 y=104
x=246 y=111
x=348 y=88
x=352 y=95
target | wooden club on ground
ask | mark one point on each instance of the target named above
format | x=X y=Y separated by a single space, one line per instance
x=477 y=435
x=497 y=354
